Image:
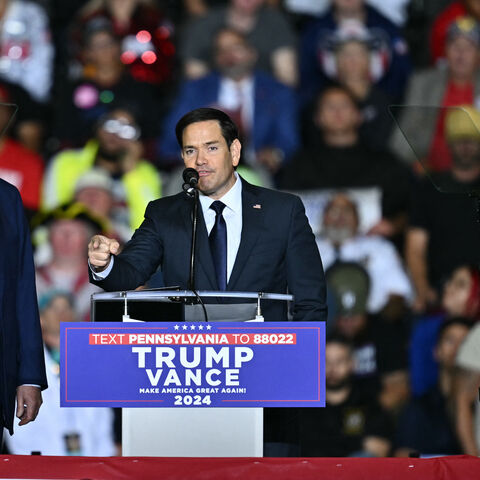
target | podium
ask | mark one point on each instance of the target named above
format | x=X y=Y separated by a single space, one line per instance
x=187 y=432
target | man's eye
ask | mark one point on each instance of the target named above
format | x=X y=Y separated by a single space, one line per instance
x=212 y=148
x=188 y=151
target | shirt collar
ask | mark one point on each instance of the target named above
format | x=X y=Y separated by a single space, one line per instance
x=232 y=199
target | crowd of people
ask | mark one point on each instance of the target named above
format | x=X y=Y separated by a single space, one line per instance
x=369 y=110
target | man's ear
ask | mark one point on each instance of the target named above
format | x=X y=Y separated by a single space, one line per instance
x=235 y=151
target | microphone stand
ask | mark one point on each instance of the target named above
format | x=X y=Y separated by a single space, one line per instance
x=192 y=192
x=191 y=281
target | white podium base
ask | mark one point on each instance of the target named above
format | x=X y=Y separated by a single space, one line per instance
x=192 y=432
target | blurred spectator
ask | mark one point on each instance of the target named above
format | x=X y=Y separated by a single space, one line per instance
x=461 y=298
x=467 y=383
x=420 y=16
x=29 y=125
x=95 y=190
x=117 y=149
x=265 y=27
x=69 y=229
x=62 y=431
x=443 y=231
x=316 y=57
x=337 y=158
x=146 y=36
x=354 y=66
x=443 y=21
x=390 y=287
x=457 y=84
x=104 y=84
x=264 y=109
x=427 y=425
x=352 y=423
x=26 y=52
x=184 y=10
x=379 y=347
x=19 y=166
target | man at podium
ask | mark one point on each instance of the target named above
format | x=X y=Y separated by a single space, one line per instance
x=249 y=238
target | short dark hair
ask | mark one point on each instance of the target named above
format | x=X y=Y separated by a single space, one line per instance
x=227 y=126
x=340 y=340
x=462 y=321
x=334 y=87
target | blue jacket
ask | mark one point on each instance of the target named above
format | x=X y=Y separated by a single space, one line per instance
x=21 y=347
x=275 y=122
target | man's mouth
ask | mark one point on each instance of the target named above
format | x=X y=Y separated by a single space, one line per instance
x=204 y=173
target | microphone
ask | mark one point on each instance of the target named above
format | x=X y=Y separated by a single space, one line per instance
x=190 y=177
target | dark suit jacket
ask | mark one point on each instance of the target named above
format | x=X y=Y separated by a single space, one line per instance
x=21 y=347
x=277 y=250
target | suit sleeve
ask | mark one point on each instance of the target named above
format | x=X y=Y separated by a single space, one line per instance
x=305 y=276
x=139 y=259
x=31 y=358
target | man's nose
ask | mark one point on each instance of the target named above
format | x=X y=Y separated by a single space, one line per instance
x=200 y=159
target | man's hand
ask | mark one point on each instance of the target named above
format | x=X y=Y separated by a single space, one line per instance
x=29 y=399
x=425 y=298
x=100 y=249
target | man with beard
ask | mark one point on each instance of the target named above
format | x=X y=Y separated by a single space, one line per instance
x=117 y=150
x=443 y=231
x=352 y=423
x=263 y=109
x=341 y=240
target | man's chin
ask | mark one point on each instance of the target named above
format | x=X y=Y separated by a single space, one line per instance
x=205 y=190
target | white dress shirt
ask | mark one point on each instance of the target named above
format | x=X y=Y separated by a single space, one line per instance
x=232 y=213
x=234 y=95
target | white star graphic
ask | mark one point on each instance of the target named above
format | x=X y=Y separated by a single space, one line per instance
x=176 y=327
x=184 y=327
x=192 y=327
x=200 y=327
x=209 y=327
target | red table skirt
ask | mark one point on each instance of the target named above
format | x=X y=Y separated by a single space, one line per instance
x=107 y=468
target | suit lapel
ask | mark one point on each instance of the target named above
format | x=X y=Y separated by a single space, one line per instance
x=252 y=224
x=203 y=255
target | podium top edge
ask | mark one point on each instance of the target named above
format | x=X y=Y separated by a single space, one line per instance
x=162 y=294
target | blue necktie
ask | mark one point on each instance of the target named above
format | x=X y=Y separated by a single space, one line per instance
x=218 y=244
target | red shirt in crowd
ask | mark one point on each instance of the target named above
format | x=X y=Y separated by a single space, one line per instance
x=439 y=157
x=24 y=169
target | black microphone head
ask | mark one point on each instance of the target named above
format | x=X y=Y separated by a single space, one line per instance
x=190 y=176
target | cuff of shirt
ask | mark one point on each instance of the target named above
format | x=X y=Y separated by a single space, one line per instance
x=103 y=274
x=30 y=385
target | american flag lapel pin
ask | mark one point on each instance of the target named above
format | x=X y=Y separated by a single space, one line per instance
x=257 y=206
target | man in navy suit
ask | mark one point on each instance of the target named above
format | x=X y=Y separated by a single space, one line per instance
x=264 y=110
x=268 y=243
x=270 y=246
x=22 y=365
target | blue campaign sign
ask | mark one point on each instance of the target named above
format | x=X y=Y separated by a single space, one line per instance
x=273 y=364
